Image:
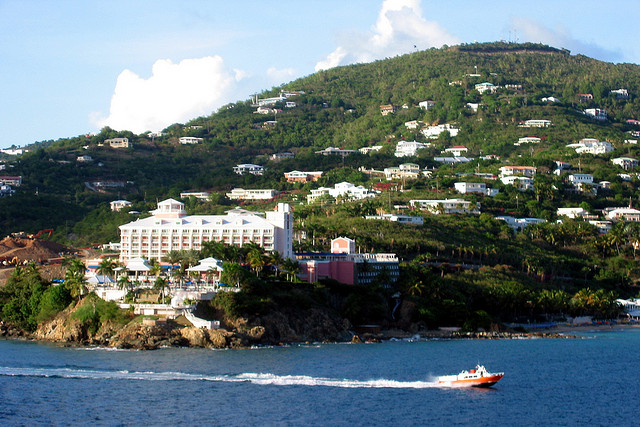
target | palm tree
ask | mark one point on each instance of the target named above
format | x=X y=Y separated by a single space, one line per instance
x=291 y=267
x=107 y=267
x=74 y=277
x=124 y=283
x=161 y=284
x=276 y=261
x=256 y=260
x=232 y=273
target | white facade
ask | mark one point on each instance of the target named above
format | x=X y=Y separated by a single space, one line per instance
x=528 y=171
x=117 y=205
x=571 y=212
x=536 y=124
x=249 y=168
x=405 y=170
x=522 y=183
x=528 y=140
x=435 y=131
x=592 y=146
x=170 y=228
x=252 y=194
x=596 y=113
x=414 y=124
x=402 y=219
x=426 y=104
x=519 y=224
x=475 y=187
x=117 y=142
x=200 y=195
x=486 y=87
x=409 y=148
x=581 y=178
x=190 y=140
x=343 y=189
x=625 y=162
x=446 y=206
x=457 y=150
x=367 y=150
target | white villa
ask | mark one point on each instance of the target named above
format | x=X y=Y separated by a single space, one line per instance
x=248 y=168
x=402 y=219
x=625 y=162
x=572 y=212
x=446 y=206
x=435 y=131
x=624 y=214
x=456 y=150
x=528 y=140
x=596 y=113
x=117 y=142
x=592 y=146
x=486 y=87
x=528 y=171
x=475 y=187
x=367 y=150
x=522 y=183
x=252 y=194
x=414 y=124
x=343 y=189
x=536 y=123
x=170 y=228
x=426 y=104
x=519 y=224
x=404 y=171
x=578 y=179
x=118 y=205
x=409 y=148
x=453 y=160
x=190 y=140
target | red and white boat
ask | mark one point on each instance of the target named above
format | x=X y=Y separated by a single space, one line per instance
x=478 y=377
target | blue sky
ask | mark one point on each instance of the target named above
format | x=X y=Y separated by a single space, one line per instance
x=70 y=67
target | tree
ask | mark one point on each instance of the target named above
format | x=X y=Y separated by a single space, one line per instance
x=232 y=273
x=256 y=260
x=74 y=278
x=161 y=284
x=107 y=267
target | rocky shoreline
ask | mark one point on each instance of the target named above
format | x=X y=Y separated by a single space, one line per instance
x=138 y=336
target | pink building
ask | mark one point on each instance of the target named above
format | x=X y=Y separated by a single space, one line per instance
x=346 y=266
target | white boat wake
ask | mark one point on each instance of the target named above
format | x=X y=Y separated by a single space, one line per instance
x=254 y=378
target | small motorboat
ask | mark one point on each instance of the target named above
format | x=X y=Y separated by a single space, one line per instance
x=478 y=377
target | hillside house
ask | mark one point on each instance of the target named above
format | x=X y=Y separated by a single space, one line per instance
x=457 y=150
x=427 y=104
x=578 y=179
x=404 y=171
x=200 y=195
x=385 y=110
x=14 y=181
x=414 y=124
x=519 y=224
x=299 y=176
x=475 y=187
x=435 y=131
x=527 y=140
x=246 y=168
x=446 y=206
x=528 y=171
x=276 y=157
x=409 y=148
x=117 y=142
x=624 y=214
x=367 y=150
x=84 y=159
x=486 y=87
x=596 y=113
x=550 y=99
x=342 y=190
x=625 y=162
x=252 y=194
x=452 y=160
x=620 y=93
x=118 y=205
x=585 y=97
x=522 y=183
x=185 y=140
x=329 y=151
x=401 y=219
x=536 y=123
x=591 y=146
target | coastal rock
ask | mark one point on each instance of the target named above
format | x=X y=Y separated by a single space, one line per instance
x=196 y=337
x=219 y=338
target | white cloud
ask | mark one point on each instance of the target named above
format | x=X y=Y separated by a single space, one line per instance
x=280 y=76
x=400 y=26
x=529 y=30
x=174 y=93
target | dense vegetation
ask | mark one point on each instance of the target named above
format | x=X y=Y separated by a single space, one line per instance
x=460 y=266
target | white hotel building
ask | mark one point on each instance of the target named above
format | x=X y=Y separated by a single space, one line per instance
x=170 y=228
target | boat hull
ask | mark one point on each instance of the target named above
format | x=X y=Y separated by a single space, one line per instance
x=482 y=382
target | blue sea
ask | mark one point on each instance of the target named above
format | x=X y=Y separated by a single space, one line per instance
x=589 y=381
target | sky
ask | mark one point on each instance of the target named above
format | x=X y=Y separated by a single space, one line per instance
x=71 y=67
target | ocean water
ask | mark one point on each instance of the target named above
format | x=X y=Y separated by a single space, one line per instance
x=589 y=381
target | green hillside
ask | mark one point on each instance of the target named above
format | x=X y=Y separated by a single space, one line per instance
x=341 y=108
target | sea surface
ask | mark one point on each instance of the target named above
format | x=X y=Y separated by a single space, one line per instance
x=589 y=381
